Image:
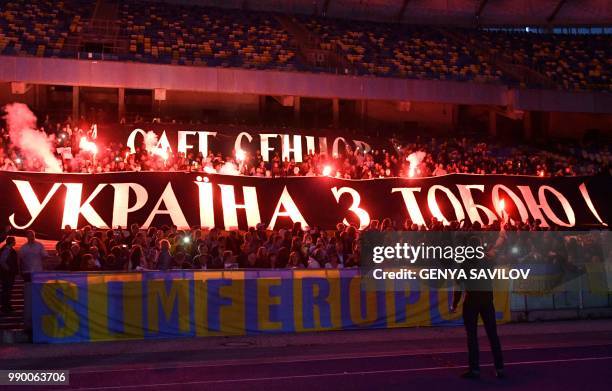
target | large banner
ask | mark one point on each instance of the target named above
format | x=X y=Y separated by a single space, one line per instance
x=77 y=307
x=289 y=144
x=49 y=202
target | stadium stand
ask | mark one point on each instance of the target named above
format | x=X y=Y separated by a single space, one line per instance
x=401 y=51
x=40 y=28
x=572 y=62
x=203 y=36
x=191 y=35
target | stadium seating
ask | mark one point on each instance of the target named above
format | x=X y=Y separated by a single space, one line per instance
x=201 y=36
x=40 y=27
x=189 y=35
x=572 y=62
x=400 y=51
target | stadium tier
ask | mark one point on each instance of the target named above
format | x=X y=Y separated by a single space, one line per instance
x=392 y=50
x=572 y=62
x=191 y=35
x=165 y=33
x=41 y=28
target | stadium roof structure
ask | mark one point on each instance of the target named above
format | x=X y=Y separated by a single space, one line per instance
x=455 y=12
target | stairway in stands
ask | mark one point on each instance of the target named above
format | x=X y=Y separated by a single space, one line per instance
x=101 y=34
x=12 y=328
x=522 y=74
x=11 y=325
x=310 y=50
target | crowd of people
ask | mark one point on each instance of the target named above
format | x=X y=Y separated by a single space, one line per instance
x=166 y=247
x=417 y=157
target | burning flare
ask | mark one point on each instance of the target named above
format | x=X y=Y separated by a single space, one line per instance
x=415 y=158
x=161 y=153
x=33 y=143
x=240 y=155
x=88 y=146
x=152 y=146
x=150 y=141
x=229 y=168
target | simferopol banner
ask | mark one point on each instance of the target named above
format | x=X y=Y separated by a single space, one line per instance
x=79 y=307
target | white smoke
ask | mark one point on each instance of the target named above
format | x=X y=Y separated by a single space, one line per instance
x=34 y=144
x=229 y=168
x=415 y=158
x=150 y=140
x=89 y=146
x=210 y=169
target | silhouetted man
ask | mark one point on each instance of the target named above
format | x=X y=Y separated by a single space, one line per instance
x=8 y=272
x=478 y=301
x=4 y=233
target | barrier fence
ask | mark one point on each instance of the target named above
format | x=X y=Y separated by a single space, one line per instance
x=583 y=294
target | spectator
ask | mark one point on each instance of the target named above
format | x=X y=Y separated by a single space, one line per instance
x=294 y=261
x=229 y=261
x=314 y=262
x=202 y=260
x=137 y=261
x=164 y=260
x=66 y=261
x=333 y=262
x=75 y=249
x=31 y=256
x=8 y=271
x=181 y=261
x=88 y=263
x=251 y=261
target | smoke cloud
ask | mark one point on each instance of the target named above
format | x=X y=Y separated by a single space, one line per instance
x=150 y=141
x=34 y=144
x=415 y=159
x=229 y=168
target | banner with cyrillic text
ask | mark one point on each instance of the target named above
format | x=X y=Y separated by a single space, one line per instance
x=47 y=203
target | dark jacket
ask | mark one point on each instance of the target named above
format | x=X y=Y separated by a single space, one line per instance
x=164 y=260
x=10 y=267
